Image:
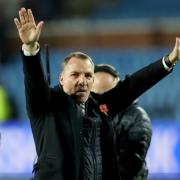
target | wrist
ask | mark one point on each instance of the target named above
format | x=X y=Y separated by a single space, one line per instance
x=172 y=58
x=169 y=61
x=30 y=50
x=31 y=47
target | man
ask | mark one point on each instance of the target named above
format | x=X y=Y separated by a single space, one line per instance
x=71 y=131
x=6 y=106
x=132 y=128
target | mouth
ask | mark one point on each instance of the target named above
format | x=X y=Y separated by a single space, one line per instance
x=81 y=90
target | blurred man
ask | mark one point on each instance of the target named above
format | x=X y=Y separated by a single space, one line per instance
x=7 y=110
x=73 y=138
x=132 y=128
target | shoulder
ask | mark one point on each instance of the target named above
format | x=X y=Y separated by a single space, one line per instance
x=58 y=96
x=136 y=112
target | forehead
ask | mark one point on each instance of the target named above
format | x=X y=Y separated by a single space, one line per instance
x=103 y=75
x=78 y=65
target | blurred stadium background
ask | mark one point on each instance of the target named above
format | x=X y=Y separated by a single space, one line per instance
x=127 y=34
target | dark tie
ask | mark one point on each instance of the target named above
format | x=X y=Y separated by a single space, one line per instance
x=82 y=106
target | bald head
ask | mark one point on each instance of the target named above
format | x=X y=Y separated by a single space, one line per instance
x=105 y=78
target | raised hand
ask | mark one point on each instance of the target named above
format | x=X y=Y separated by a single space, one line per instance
x=29 y=32
x=175 y=54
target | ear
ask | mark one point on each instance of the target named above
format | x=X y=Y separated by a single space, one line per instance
x=61 y=79
x=93 y=78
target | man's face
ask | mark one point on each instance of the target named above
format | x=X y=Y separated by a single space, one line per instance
x=103 y=82
x=77 y=78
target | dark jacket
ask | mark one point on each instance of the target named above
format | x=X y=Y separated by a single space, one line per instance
x=57 y=125
x=133 y=133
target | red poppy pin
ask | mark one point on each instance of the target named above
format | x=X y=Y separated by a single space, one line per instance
x=103 y=108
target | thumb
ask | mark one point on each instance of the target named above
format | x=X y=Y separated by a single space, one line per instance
x=39 y=28
x=177 y=43
x=174 y=55
x=178 y=46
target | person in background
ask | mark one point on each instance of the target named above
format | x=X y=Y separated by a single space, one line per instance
x=70 y=126
x=132 y=128
x=7 y=110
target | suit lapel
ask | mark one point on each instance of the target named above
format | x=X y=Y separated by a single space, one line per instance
x=76 y=125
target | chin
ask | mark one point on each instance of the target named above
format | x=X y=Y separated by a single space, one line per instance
x=82 y=99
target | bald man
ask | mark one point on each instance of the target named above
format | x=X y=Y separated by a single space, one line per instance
x=132 y=128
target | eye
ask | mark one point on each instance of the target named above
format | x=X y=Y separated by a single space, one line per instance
x=75 y=75
x=88 y=75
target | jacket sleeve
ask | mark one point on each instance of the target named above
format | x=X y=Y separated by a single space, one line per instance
x=133 y=86
x=36 y=87
x=133 y=137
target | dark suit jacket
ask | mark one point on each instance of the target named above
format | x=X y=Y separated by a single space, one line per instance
x=57 y=125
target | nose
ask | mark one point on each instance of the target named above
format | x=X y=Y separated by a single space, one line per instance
x=82 y=80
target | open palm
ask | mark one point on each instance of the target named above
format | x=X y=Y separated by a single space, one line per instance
x=29 y=32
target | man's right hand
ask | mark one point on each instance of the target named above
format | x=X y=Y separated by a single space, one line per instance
x=29 y=32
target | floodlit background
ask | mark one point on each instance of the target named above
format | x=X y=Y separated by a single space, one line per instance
x=127 y=34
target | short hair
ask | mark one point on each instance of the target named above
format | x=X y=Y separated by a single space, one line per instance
x=79 y=55
x=106 y=68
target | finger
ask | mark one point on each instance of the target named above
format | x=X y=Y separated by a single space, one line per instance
x=178 y=46
x=177 y=42
x=21 y=17
x=25 y=14
x=18 y=24
x=30 y=16
x=39 y=28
